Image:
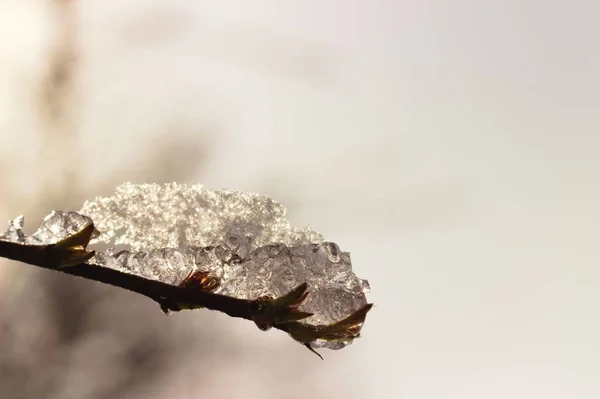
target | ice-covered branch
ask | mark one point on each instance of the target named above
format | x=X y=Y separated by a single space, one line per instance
x=189 y=247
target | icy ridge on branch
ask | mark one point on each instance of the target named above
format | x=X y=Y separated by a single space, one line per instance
x=242 y=239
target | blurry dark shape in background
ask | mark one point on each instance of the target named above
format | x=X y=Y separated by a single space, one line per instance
x=70 y=338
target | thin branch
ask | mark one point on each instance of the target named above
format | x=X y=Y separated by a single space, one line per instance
x=54 y=257
x=69 y=256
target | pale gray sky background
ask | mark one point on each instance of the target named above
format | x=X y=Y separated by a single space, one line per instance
x=451 y=147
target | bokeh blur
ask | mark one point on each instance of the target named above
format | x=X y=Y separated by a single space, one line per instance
x=451 y=147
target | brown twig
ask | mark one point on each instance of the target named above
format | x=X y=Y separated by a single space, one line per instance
x=70 y=255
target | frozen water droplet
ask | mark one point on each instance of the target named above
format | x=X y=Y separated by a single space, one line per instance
x=129 y=262
x=18 y=222
x=107 y=259
x=366 y=287
x=14 y=233
x=332 y=251
x=57 y=226
x=334 y=345
x=262 y=326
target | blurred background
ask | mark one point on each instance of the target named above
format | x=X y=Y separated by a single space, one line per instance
x=451 y=147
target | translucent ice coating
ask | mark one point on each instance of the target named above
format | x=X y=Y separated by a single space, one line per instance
x=242 y=239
